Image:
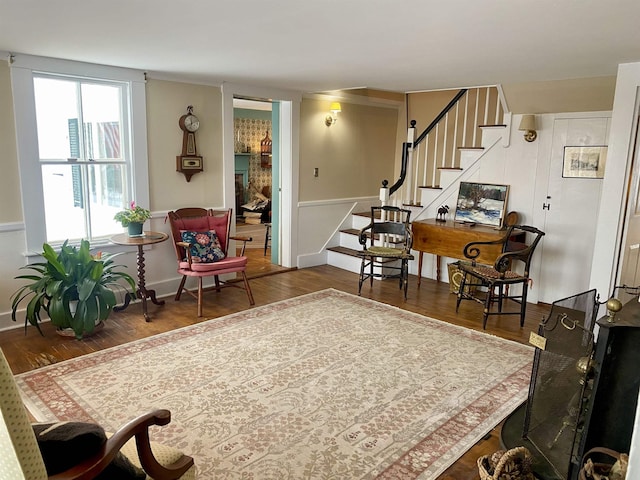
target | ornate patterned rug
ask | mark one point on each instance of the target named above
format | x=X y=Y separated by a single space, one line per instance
x=326 y=385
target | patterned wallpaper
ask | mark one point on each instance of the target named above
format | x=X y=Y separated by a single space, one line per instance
x=248 y=134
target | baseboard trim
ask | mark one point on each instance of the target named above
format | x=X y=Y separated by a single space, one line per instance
x=312 y=259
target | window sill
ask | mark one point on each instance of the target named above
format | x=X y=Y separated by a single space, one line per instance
x=97 y=246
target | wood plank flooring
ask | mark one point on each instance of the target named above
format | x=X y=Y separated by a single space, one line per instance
x=27 y=351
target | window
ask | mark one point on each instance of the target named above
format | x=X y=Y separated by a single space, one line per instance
x=81 y=146
x=84 y=169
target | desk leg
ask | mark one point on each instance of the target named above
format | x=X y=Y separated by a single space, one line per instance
x=420 y=267
x=143 y=293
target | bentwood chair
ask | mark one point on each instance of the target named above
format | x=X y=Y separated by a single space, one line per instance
x=386 y=246
x=201 y=239
x=510 y=268
x=22 y=458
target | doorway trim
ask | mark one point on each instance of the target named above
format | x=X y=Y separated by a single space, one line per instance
x=287 y=187
x=612 y=217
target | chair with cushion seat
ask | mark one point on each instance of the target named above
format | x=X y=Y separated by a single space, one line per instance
x=22 y=458
x=510 y=268
x=201 y=239
x=386 y=246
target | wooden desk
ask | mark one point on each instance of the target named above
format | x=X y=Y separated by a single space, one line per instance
x=147 y=238
x=448 y=239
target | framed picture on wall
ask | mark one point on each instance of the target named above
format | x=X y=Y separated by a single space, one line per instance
x=584 y=162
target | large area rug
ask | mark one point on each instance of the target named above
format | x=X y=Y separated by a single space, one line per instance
x=323 y=386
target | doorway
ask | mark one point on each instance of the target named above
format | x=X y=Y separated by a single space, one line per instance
x=284 y=195
x=253 y=130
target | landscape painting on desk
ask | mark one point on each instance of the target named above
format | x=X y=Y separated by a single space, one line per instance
x=481 y=203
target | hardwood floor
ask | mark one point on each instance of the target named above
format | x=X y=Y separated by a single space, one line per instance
x=28 y=350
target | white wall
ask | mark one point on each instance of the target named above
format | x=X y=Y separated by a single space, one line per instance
x=320 y=222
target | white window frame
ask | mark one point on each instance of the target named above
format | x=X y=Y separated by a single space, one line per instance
x=23 y=68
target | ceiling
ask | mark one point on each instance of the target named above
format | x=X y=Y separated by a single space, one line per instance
x=321 y=45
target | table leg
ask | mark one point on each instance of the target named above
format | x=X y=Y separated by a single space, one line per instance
x=420 y=267
x=143 y=293
x=437 y=268
x=127 y=300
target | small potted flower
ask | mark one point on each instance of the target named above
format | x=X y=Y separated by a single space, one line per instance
x=133 y=218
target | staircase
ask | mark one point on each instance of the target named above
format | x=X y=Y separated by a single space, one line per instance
x=450 y=150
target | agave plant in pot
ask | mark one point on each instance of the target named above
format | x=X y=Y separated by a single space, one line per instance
x=71 y=277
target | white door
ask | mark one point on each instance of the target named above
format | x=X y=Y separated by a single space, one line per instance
x=570 y=210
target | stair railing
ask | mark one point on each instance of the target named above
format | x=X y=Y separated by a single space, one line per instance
x=437 y=147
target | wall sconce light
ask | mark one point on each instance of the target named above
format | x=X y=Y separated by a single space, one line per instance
x=333 y=117
x=528 y=125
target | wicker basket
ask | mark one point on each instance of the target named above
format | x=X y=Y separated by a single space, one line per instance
x=604 y=470
x=455 y=277
x=514 y=464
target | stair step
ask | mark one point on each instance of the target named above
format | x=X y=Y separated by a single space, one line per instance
x=367 y=214
x=345 y=251
x=450 y=168
x=434 y=187
x=470 y=148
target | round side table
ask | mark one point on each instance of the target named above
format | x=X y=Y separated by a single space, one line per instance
x=147 y=238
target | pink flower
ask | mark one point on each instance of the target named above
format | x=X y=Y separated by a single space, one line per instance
x=202 y=239
x=133 y=204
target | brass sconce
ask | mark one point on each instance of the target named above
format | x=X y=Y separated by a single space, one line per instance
x=333 y=116
x=528 y=125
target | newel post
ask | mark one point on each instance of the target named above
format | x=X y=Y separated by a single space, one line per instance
x=411 y=137
x=384 y=193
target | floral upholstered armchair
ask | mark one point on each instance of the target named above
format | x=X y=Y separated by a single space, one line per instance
x=23 y=455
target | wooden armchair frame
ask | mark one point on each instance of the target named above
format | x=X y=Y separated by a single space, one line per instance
x=499 y=276
x=201 y=219
x=386 y=241
x=138 y=429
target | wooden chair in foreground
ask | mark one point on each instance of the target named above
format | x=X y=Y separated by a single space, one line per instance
x=201 y=240
x=22 y=460
x=510 y=268
x=386 y=246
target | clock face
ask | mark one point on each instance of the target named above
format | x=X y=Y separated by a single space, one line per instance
x=191 y=123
